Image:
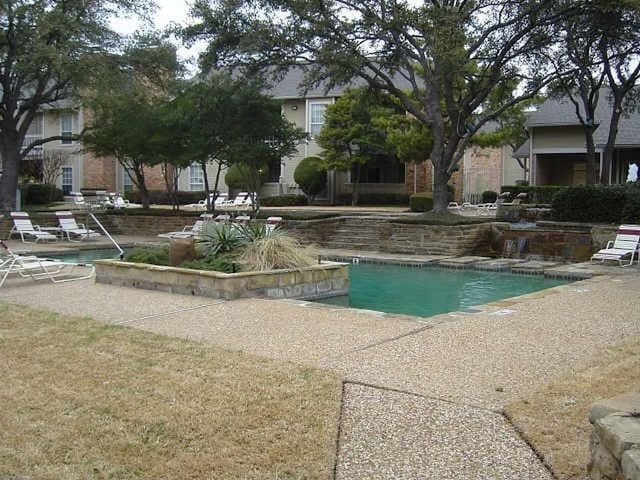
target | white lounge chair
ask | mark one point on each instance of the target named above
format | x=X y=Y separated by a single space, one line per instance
x=272 y=223
x=38 y=268
x=189 y=230
x=241 y=200
x=624 y=247
x=74 y=231
x=22 y=226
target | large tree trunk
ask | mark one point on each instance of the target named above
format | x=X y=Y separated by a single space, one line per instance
x=611 y=142
x=591 y=156
x=440 y=191
x=10 y=166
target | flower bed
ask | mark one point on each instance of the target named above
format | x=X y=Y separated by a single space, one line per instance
x=323 y=280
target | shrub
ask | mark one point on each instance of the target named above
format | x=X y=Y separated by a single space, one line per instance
x=239 y=176
x=275 y=252
x=283 y=201
x=535 y=193
x=311 y=175
x=219 y=263
x=489 y=196
x=41 y=193
x=631 y=209
x=161 y=197
x=375 y=199
x=217 y=238
x=151 y=255
x=421 y=202
x=589 y=203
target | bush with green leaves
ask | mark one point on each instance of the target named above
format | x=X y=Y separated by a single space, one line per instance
x=218 y=238
x=421 y=202
x=151 y=255
x=378 y=198
x=590 y=203
x=283 y=200
x=240 y=176
x=41 y=194
x=219 y=263
x=489 y=196
x=311 y=175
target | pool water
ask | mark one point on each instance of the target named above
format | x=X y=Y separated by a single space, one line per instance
x=86 y=256
x=429 y=291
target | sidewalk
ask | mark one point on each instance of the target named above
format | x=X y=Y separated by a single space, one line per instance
x=423 y=397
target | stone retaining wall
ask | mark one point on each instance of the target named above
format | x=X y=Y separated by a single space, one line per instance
x=615 y=440
x=322 y=280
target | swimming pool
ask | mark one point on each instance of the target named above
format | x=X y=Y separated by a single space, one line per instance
x=86 y=256
x=429 y=291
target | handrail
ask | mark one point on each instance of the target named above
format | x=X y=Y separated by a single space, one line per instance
x=104 y=230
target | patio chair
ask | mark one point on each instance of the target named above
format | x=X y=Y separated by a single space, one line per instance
x=38 y=268
x=272 y=223
x=75 y=232
x=241 y=200
x=624 y=247
x=189 y=230
x=22 y=226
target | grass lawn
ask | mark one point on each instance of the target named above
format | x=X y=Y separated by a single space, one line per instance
x=86 y=400
x=555 y=419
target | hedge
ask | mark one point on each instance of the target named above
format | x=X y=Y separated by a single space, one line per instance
x=283 y=201
x=161 y=197
x=41 y=194
x=375 y=199
x=421 y=202
x=535 y=193
x=597 y=204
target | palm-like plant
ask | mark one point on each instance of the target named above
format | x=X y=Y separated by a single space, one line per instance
x=216 y=238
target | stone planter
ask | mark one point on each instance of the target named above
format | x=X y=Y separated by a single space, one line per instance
x=323 y=280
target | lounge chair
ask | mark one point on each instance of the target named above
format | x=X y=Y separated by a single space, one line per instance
x=624 y=247
x=189 y=230
x=242 y=200
x=22 y=226
x=75 y=232
x=272 y=223
x=38 y=268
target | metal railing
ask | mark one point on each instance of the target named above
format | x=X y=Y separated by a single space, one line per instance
x=107 y=234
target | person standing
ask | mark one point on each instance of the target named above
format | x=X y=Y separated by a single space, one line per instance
x=632 y=176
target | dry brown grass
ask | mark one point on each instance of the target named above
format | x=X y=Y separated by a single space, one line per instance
x=277 y=251
x=555 y=419
x=84 y=400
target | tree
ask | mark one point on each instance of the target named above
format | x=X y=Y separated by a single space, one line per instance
x=46 y=53
x=353 y=133
x=442 y=59
x=127 y=105
x=598 y=55
x=311 y=175
x=230 y=121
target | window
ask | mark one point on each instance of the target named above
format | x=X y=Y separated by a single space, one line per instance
x=66 y=128
x=67 y=180
x=196 y=178
x=275 y=168
x=127 y=183
x=35 y=132
x=316 y=117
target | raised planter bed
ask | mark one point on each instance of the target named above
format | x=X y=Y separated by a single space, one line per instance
x=326 y=279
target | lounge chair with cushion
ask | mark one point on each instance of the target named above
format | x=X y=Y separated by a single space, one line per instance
x=189 y=230
x=74 y=231
x=22 y=226
x=38 y=268
x=623 y=248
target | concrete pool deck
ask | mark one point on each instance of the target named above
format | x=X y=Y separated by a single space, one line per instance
x=422 y=397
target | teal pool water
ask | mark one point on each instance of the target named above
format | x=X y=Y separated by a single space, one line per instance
x=429 y=291
x=86 y=256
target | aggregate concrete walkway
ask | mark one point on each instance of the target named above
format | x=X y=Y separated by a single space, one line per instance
x=423 y=397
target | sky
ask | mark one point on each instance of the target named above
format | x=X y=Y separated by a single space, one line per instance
x=176 y=11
